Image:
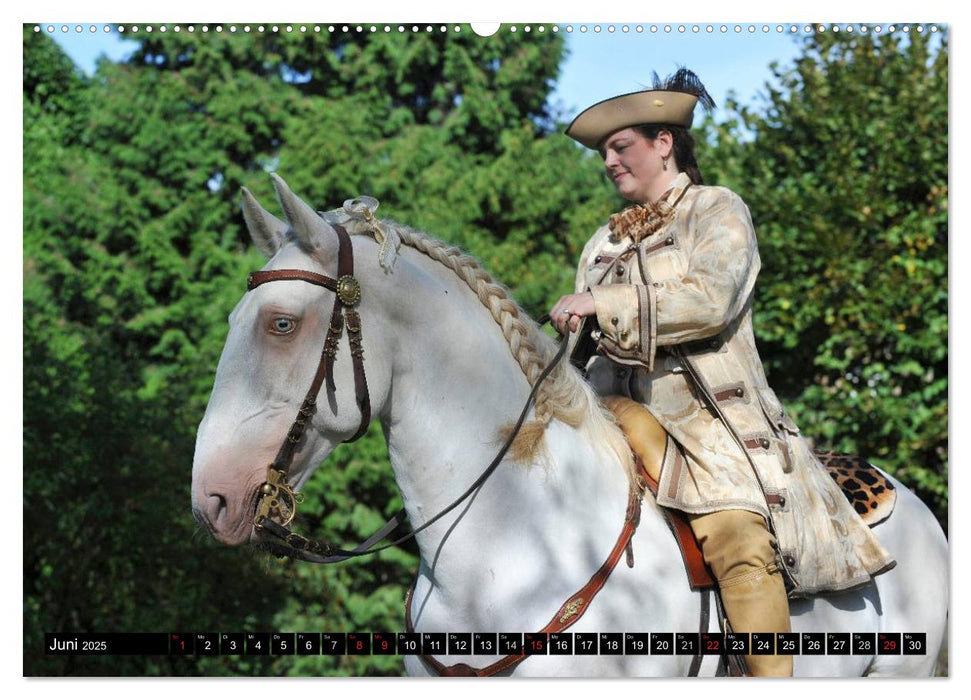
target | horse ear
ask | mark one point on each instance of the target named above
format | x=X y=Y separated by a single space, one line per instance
x=312 y=230
x=267 y=231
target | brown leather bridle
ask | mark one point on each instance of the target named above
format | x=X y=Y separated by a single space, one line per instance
x=276 y=497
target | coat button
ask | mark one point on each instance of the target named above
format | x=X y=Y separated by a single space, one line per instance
x=614 y=320
x=624 y=334
x=789 y=560
x=669 y=241
x=598 y=259
x=740 y=392
x=764 y=442
x=620 y=270
x=713 y=343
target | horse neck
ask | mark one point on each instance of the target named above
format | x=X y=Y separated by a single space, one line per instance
x=456 y=386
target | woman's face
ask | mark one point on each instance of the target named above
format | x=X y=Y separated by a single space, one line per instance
x=634 y=164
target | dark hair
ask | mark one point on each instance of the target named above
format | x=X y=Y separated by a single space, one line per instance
x=684 y=147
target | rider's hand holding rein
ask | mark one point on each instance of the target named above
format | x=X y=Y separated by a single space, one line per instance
x=570 y=310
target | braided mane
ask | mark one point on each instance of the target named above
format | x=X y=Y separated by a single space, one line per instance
x=564 y=395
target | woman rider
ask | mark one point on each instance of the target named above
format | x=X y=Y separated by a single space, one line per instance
x=668 y=287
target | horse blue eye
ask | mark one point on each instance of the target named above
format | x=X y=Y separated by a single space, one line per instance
x=282 y=325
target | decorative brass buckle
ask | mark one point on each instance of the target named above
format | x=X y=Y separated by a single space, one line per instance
x=277 y=498
x=348 y=290
x=571 y=609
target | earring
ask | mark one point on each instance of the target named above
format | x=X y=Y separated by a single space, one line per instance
x=664 y=162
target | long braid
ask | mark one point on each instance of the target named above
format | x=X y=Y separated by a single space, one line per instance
x=517 y=332
x=563 y=395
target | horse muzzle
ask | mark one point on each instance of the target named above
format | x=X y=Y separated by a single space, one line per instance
x=226 y=510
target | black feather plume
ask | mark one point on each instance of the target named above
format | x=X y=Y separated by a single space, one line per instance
x=684 y=80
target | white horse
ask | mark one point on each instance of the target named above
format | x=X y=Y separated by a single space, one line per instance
x=449 y=360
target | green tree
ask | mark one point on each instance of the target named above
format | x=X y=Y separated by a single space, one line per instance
x=108 y=542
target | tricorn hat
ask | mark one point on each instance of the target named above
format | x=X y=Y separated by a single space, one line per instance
x=671 y=101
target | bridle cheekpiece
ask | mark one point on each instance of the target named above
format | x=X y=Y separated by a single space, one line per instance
x=276 y=498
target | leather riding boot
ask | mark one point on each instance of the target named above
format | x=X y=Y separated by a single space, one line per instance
x=740 y=551
x=756 y=601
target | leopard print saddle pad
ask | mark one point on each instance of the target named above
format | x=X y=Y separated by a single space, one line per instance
x=868 y=490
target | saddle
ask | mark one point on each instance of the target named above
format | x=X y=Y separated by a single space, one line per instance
x=869 y=491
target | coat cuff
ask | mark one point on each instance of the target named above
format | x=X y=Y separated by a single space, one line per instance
x=627 y=317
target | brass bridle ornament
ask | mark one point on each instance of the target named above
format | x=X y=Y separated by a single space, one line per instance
x=278 y=498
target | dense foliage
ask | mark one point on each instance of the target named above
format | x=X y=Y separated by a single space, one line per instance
x=135 y=253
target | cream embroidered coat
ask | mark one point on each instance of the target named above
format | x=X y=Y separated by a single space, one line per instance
x=680 y=305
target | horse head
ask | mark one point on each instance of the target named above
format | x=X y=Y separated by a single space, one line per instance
x=273 y=352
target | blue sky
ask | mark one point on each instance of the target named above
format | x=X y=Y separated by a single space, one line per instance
x=599 y=64
x=604 y=64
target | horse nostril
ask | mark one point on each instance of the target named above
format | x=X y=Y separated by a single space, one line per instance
x=210 y=511
x=215 y=507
